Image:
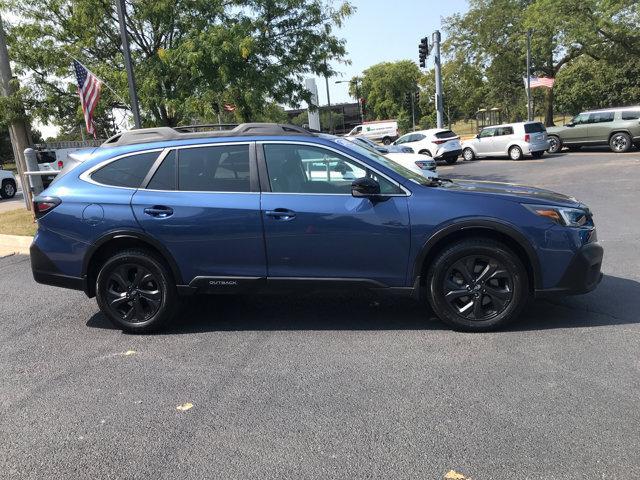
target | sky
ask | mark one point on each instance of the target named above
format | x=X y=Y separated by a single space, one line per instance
x=378 y=31
x=385 y=30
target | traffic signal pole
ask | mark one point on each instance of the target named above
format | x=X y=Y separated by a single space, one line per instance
x=529 y=109
x=438 y=69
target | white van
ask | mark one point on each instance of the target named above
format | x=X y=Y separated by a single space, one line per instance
x=385 y=131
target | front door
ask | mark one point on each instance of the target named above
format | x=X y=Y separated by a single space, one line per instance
x=577 y=130
x=315 y=229
x=485 y=141
x=202 y=205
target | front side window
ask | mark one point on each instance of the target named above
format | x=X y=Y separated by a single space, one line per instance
x=580 y=119
x=221 y=168
x=418 y=137
x=127 y=171
x=487 y=132
x=294 y=168
x=404 y=139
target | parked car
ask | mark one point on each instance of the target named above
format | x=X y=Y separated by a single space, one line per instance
x=383 y=149
x=438 y=143
x=155 y=214
x=8 y=186
x=421 y=164
x=385 y=131
x=514 y=140
x=617 y=127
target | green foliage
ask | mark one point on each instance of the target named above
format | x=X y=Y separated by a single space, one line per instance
x=384 y=87
x=303 y=119
x=190 y=56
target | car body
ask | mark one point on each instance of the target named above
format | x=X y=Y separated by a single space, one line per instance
x=513 y=140
x=617 y=127
x=385 y=131
x=8 y=185
x=421 y=164
x=383 y=149
x=438 y=143
x=155 y=214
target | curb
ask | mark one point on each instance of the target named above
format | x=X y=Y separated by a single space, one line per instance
x=14 y=244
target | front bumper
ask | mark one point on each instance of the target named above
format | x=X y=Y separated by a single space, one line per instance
x=582 y=275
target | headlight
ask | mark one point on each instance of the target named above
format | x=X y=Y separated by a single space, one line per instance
x=570 y=217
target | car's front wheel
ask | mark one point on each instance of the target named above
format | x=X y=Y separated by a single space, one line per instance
x=477 y=285
x=8 y=189
x=468 y=154
x=555 y=145
x=136 y=291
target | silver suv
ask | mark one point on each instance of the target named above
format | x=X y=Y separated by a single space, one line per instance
x=617 y=127
x=511 y=139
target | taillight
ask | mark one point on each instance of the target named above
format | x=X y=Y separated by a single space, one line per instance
x=527 y=137
x=60 y=164
x=422 y=164
x=43 y=205
x=439 y=142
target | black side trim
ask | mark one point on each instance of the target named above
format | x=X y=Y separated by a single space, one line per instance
x=489 y=224
x=138 y=235
x=226 y=285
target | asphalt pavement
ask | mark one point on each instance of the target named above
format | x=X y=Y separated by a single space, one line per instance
x=337 y=386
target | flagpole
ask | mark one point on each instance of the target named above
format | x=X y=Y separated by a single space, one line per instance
x=529 y=75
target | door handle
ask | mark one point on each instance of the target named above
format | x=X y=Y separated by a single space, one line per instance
x=159 y=211
x=281 y=214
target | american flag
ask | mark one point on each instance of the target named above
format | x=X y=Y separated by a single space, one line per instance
x=89 y=87
x=546 y=82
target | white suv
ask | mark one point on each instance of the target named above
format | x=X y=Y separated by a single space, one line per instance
x=438 y=143
x=8 y=187
x=513 y=140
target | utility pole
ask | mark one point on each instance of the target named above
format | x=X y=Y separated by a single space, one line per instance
x=413 y=112
x=127 y=63
x=439 y=102
x=18 y=130
x=529 y=107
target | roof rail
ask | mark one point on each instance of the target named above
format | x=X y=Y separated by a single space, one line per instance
x=159 y=134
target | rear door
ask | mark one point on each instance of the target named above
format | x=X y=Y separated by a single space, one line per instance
x=202 y=202
x=600 y=126
x=501 y=140
x=316 y=230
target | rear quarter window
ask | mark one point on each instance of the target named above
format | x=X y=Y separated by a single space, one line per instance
x=534 y=128
x=631 y=115
x=127 y=171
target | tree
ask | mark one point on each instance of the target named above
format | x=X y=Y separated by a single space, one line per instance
x=384 y=87
x=189 y=56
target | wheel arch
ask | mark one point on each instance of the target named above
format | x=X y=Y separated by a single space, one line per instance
x=487 y=228
x=619 y=130
x=120 y=240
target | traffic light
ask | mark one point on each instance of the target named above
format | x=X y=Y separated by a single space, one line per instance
x=423 y=49
x=417 y=97
x=407 y=100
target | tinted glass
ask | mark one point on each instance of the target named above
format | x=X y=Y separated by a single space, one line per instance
x=534 y=128
x=418 y=137
x=631 y=115
x=46 y=157
x=403 y=139
x=223 y=168
x=445 y=134
x=579 y=119
x=601 y=117
x=487 y=132
x=504 y=131
x=309 y=169
x=165 y=176
x=127 y=171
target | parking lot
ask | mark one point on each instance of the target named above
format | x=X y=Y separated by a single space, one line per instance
x=338 y=386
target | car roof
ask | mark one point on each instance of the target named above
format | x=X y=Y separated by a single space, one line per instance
x=430 y=131
x=612 y=109
x=512 y=124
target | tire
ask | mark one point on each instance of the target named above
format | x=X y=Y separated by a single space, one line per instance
x=127 y=300
x=555 y=144
x=451 y=160
x=574 y=148
x=537 y=154
x=386 y=141
x=477 y=306
x=515 y=153
x=425 y=152
x=620 y=142
x=8 y=189
x=468 y=154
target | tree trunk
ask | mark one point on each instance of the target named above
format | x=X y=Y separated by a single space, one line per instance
x=548 y=108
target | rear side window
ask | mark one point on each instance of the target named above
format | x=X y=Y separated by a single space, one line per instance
x=504 y=131
x=631 y=115
x=127 y=171
x=601 y=117
x=165 y=176
x=536 y=127
x=223 y=168
x=445 y=134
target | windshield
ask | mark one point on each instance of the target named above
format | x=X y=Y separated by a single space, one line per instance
x=382 y=160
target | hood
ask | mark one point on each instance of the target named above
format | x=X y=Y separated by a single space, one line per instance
x=555 y=129
x=520 y=193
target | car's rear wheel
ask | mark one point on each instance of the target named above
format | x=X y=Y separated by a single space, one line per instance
x=537 y=154
x=620 y=142
x=136 y=292
x=555 y=144
x=477 y=285
x=386 y=141
x=468 y=154
x=425 y=152
x=451 y=160
x=515 y=153
x=8 y=189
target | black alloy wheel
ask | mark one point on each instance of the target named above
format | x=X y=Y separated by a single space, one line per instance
x=133 y=293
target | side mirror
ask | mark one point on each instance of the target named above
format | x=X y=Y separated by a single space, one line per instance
x=1 y=166
x=570 y=124
x=365 y=187
x=477 y=135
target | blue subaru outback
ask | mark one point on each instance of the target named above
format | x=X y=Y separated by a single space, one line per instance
x=154 y=215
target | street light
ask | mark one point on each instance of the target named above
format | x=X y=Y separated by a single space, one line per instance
x=355 y=81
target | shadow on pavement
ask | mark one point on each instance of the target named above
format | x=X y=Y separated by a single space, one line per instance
x=615 y=302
